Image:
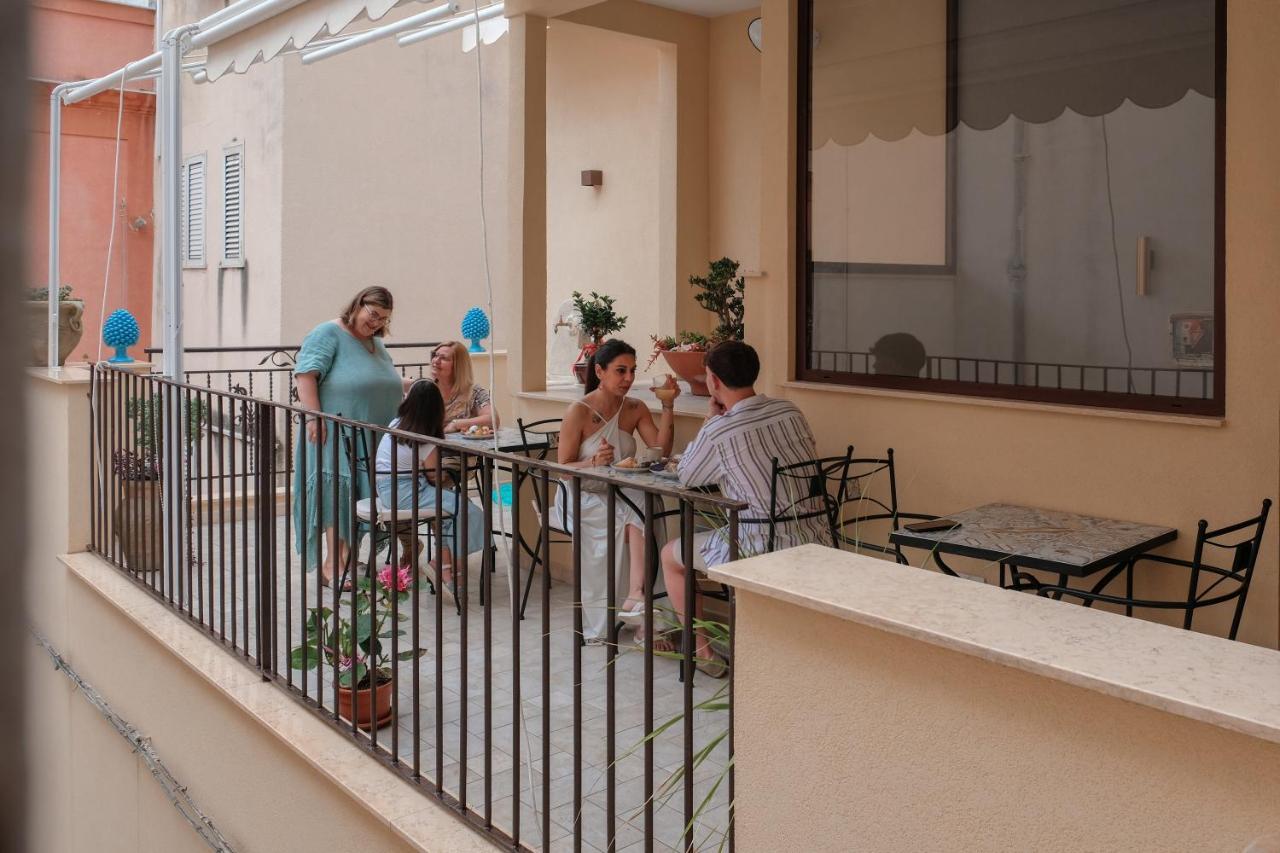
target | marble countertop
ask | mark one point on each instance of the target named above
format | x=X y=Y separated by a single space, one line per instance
x=1229 y=684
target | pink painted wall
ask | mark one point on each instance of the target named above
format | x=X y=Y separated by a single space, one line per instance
x=76 y=39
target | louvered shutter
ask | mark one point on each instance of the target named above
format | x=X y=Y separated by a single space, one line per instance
x=232 y=205
x=193 y=200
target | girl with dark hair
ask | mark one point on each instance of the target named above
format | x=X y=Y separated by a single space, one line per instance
x=341 y=369
x=422 y=412
x=600 y=430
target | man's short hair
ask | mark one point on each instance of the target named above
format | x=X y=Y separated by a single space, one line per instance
x=734 y=363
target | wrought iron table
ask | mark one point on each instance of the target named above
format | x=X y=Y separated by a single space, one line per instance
x=1019 y=538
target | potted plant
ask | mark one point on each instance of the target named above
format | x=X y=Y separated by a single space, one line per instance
x=139 y=471
x=721 y=292
x=597 y=318
x=136 y=507
x=70 y=323
x=359 y=649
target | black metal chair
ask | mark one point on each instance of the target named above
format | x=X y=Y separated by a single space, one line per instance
x=802 y=491
x=556 y=526
x=872 y=496
x=372 y=518
x=1243 y=556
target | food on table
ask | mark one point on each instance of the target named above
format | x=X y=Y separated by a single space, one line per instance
x=629 y=462
x=478 y=431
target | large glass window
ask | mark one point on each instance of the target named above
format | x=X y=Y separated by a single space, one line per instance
x=1014 y=198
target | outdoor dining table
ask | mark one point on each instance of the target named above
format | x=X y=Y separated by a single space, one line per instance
x=509 y=440
x=1021 y=537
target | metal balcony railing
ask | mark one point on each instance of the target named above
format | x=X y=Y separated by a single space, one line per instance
x=531 y=736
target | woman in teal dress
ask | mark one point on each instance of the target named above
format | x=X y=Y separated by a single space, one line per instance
x=342 y=369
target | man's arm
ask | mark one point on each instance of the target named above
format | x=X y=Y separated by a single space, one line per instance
x=700 y=462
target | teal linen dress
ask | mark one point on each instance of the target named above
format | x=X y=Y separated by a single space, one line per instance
x=358 y=385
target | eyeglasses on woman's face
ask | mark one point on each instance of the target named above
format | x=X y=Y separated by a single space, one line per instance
x=377 y=317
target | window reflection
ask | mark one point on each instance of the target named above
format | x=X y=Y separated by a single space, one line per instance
x=1015 y=192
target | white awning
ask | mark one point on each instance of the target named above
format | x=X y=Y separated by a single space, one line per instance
x=296 y=27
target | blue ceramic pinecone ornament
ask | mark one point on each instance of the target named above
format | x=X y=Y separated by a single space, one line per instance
x=475 y=327
x=121 y=332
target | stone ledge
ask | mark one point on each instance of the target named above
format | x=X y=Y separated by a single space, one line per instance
x=422 y=822
x=1229 y=684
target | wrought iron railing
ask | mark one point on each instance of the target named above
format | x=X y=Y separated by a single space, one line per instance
x=532 y=736
x=1183 y=382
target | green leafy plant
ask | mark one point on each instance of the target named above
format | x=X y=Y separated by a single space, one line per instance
x=721 y=292
x=717 y=634
x=597 y=315
x=359 y=648
x=147 y=415
x=41 y=294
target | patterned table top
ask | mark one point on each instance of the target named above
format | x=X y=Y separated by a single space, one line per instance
x=1040 y=538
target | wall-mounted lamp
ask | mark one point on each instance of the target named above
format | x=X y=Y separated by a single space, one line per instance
x=592 y=178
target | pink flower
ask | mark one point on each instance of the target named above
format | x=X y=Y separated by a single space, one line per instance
x=403 y=577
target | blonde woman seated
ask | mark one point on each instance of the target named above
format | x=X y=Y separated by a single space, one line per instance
x=599 y=430
x=466 y=404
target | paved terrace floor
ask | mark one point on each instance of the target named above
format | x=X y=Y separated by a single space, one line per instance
x=445 y=696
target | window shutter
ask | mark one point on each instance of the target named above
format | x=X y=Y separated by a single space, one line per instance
x=193 y=199
x=232 y=204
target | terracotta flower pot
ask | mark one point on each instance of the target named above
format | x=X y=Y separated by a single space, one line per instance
x=691 y=367
x=364 y=700
x=136 y=526
x=70 y=329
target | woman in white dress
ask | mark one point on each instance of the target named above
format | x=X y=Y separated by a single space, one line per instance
x=599 y=430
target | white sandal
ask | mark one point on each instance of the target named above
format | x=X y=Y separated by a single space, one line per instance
x=634 y=616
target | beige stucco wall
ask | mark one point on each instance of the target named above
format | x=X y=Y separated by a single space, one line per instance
x=604 y=111
x=232 y=307
x=954 y=453
x=733 y=142
x=908 y=746
x=362 y=169
x=381 y=183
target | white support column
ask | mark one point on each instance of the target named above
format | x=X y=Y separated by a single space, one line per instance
x=175 y=443
x=170 y=194
x=55 y=183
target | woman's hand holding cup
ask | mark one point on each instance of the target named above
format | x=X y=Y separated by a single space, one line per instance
x=666 y=390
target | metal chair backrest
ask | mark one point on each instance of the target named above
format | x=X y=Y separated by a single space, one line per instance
x=799 y=491
x=548 y=428
x=1244 y=556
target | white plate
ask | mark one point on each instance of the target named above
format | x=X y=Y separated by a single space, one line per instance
x=639 y=469
x=466 y=437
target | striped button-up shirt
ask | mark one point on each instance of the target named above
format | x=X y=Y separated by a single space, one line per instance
x=735 y=451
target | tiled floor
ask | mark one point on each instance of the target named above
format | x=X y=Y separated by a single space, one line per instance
x=519 y=771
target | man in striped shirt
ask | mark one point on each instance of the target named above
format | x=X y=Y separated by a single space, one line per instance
x=734 y=450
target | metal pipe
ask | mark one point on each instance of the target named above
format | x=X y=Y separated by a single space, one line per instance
x=449 y=26
x=55 y=166
x=379 y=33
x=209 y=32
x=243 y=14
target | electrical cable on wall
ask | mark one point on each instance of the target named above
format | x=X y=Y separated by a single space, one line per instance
x=175 y=791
